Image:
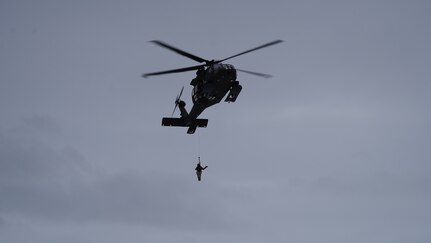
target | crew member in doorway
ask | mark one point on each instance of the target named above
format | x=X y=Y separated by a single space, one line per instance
x=199 y=169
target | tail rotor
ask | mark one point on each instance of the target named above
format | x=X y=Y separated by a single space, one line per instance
x=177 y=101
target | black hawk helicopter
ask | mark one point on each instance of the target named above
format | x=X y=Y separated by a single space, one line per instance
x=213 y=81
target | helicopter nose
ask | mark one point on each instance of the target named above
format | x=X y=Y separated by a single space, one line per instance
x=231 y=74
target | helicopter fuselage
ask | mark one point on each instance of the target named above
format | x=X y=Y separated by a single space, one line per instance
x=210 y=86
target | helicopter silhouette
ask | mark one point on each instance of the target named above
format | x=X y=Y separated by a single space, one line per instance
x=213 y=81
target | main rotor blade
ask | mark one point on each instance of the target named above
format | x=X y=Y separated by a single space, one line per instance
x=254 y=49
x=181 y=52
x=179 y=70
x=254 y=73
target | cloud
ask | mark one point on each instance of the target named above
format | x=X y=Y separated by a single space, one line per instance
x=43 y=123
x=55 y=182
x=375 y=184
x=30 y=154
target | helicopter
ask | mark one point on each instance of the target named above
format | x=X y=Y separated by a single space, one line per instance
x=213 y=81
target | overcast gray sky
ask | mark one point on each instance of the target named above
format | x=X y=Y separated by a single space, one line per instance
x=334 y=148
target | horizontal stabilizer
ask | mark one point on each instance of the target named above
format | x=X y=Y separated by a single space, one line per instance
x=180 y=122
x=175 y=122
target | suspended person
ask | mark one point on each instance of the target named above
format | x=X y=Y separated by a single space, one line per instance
x=199 y=169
